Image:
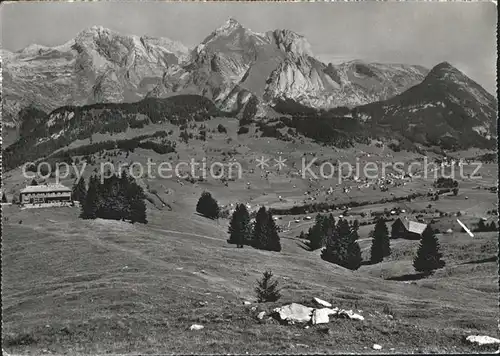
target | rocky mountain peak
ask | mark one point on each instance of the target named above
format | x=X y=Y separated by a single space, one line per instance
x=227 y=29
x=291 y=42
x=445 y=70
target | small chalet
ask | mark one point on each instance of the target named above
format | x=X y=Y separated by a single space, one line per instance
x=406 y=229
x=45 y=195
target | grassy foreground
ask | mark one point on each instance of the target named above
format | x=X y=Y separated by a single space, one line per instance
x=85 y=287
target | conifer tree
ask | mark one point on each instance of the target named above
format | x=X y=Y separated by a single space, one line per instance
x=316 y=233
x=428 y=257
x=79 y=190
x=239 y=227
x=260 y=229
x=380 y=243
x=341 y=248
x=273 y=240
x=4 y=198
x=207 y=206
x=266 y=290
x=91 y=205
x=481 y=226
x=265 y=233
x=134 y=195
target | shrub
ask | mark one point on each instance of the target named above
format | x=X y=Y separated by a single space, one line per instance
x=207 y=206
x=243 y=130
x=266 y=290
x=221 y=128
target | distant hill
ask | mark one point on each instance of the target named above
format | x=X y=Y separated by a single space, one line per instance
x=67 y=124
x=447 y=109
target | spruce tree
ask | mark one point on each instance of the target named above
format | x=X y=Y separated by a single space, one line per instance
x=239 y=227
x=135 y=197
x=481 y=226
x=79 y=190
x=259 y=235
x=4 y=198
x=341 y=248
x=316 y=233
x=265 y=233
x=207 y=206
x=91 y=204
x=428 y=257
x=273 y=240
x=266 y=290
x=380 y=243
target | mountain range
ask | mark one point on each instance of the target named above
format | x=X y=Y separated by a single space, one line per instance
x=274 y=72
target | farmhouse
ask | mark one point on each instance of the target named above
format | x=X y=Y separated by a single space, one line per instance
x=406 y=229
x=45 y=195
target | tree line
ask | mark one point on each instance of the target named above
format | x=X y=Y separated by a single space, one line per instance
x=118 y=197
x=261 y=233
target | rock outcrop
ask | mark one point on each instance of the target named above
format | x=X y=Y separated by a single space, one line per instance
x=99 y=65
x=294 y=313
x=482 y=340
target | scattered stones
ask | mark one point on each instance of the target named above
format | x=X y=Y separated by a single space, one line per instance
x=482 y=340
x=261 y=315
x=322 y=302
x=350 y=314
x=196 y=327
x=376 y=347
x=294 y=313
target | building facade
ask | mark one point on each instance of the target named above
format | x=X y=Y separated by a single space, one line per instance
x=46 y=194
x=403 y=228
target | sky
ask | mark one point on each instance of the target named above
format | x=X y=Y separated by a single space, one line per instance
x=464 y=34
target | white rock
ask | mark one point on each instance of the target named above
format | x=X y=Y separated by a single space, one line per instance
x=196 y=327
x=320 y=316
x=322 y=302
x=294 y=313
x=482 y=340
x=376 y=347
x=350 y=314
x=260 y=316
x=246 y=302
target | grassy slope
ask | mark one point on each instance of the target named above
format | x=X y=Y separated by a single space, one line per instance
x=79 y=286
x=98 y=286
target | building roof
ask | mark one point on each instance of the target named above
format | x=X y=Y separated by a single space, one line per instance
x=413 y=226
x=44 y=188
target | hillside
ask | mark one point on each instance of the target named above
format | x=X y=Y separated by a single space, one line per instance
x=179 y=270
x=447 y=109
x=67 y=124
x=96 y=284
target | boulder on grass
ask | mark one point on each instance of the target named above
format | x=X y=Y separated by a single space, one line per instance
x=320 y=316
x=482 y=340
x=322 y=302
x=293 y=313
